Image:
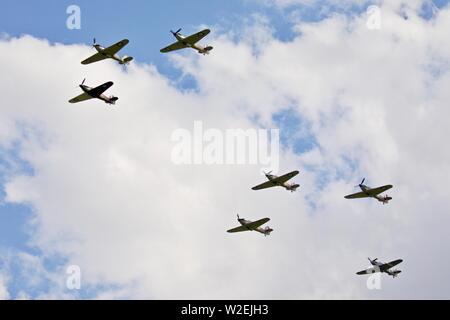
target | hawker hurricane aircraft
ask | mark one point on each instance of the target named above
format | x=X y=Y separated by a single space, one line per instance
x=109 y=53
x=382 y=267
x=371 y=193
x=97 y=92
x=247 y=225
x=275 y=181
x=189 y=42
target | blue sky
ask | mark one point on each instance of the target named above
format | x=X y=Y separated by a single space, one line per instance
x=147 y=25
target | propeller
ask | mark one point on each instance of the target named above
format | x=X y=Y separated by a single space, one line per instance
x=372 y=260
x=95 y=42
x=359 y=185
x=238 y=217
x=82 y=83
x=174 y=33
x=267 y=173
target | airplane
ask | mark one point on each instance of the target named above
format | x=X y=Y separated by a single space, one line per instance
x=109 y=53
x=371 y=193
x=275 y=181
x=97 y=92
x=247 y=225
x=189 y=42
x=382 y=267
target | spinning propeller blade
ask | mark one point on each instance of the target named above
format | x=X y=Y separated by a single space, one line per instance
x=359 y=185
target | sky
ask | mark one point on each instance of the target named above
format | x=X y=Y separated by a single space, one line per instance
x=95 y=187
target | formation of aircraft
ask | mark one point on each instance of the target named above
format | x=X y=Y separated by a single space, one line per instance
x=371 y=193
x=247 y=225
x=97 y=92
x=109 y=53
x=275 y=181
x=382 y=267
x=189 y=42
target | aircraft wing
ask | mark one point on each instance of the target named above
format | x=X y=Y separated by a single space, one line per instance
x=112 y=50
x=238 y=229
x=256 y=224
x=100 y=89
x=249 y=226
x=95 y=58
x=357 y=195
x=193 y=39
x=368 y=271
x=391 y=264
x=379 y=190
x=174 y=46
x=276 y=181
x=82 y=97
x=265 y=185
x=286 y=177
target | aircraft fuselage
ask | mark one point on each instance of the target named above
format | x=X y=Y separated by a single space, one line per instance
x=102 y=97
x=116 y=57
x=380 y=198
x=383 y=268
x=266 y=231
x=287 y=185
x=199 y=48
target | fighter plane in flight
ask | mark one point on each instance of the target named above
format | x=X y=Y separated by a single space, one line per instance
x=382 y=267
x=247 y=225
x=275 y=181
x=371 y=193
x=97 y=92
x=189 y=42
x=109 y=53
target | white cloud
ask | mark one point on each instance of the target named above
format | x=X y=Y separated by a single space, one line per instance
x=106 y=195
x=4 y=294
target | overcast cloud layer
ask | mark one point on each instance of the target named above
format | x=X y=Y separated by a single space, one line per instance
x=106 y=196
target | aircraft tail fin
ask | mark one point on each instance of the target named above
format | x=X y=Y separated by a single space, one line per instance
x=126 y=60
x=386 y=199
x=206 y=50
x=267 y=231
x=112 y=100
x=395 y=273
